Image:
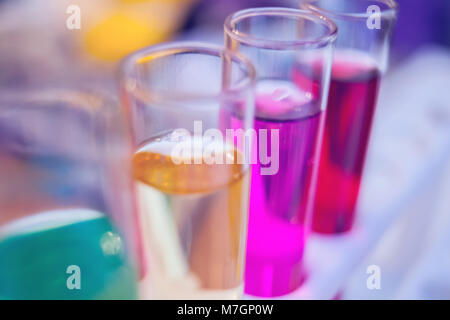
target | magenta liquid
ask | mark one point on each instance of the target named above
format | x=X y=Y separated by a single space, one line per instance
x=351 y=106
x=280 y=202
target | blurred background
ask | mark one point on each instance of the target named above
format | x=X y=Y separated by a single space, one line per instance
x=405 y=206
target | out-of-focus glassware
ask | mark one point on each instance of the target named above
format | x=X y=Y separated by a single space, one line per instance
x=194 y=211
x=360 y=59
x=290 y=106
x=65 y=197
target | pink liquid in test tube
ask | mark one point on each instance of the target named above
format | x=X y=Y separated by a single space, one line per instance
x=280 y=202
x=351 y=106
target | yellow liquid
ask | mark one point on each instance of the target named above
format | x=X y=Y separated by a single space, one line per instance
x=195 y=221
